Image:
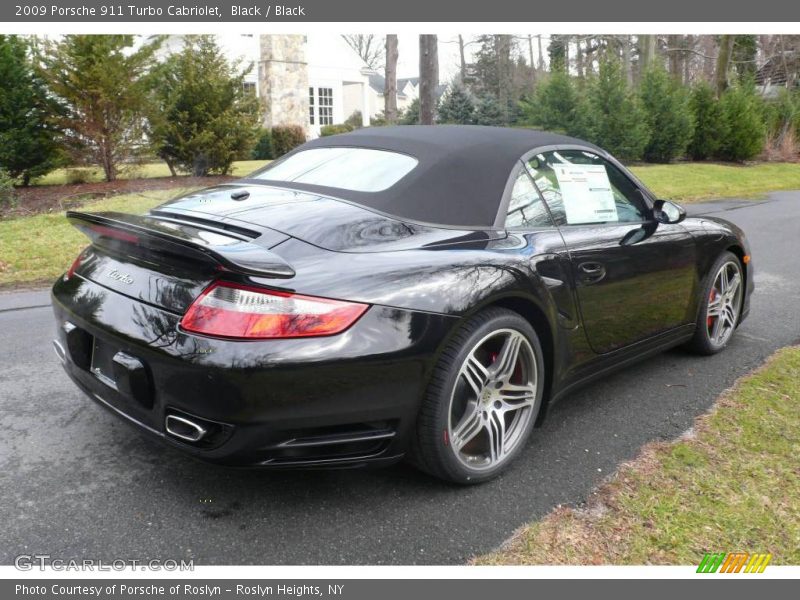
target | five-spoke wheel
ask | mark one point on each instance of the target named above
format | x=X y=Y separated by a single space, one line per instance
x=493 y=399
x=724 y=302
x=483 y=399
x=721 y=305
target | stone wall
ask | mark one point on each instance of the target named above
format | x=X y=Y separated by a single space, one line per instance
x=283 y=80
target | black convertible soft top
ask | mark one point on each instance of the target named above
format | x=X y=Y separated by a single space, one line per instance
x=460 y=178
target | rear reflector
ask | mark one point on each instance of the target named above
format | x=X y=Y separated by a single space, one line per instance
x=232 y=311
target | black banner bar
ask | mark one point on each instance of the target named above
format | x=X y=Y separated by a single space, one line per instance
x=360 y=11
x=705 y=585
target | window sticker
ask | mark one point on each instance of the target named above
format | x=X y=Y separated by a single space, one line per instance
x=586 y=194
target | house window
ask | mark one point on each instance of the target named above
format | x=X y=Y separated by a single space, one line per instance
x=325 y=108
x=320 y=106
x=249 y=87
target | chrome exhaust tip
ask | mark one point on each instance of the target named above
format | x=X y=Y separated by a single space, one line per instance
x=60 y=352
x=184 y=429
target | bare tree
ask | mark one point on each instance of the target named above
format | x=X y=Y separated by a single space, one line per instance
x=579 y=56
x=428 y=77
x=369 y=47
x=541 y=53
x=503 y=45
x=530 y=58
x=625 y=42
x=723 y=63
x=675 y=55
x=463 y=61
x=647 y=51
x=687 y=59
x=390 y=87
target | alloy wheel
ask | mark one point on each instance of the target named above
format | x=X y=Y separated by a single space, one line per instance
x=493 y=399
x=724 y=303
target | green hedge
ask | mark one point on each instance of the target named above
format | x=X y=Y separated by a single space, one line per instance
x=327 y=130
x=286 y=138
x=263 y=148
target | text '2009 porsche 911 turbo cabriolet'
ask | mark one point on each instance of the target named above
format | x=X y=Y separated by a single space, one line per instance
x=419 y=292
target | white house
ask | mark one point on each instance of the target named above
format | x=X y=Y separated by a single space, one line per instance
x=318 y=76
x=407 y=92
x=338 y=82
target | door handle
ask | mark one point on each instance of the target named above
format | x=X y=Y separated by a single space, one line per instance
x=591 y=268
x=591 y=272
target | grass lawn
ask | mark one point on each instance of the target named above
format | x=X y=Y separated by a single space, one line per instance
x=38 y=249
x=733 y=485
x=688 y=182
x=144 y=171
x=685 y=182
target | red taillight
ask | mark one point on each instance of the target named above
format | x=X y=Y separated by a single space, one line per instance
x=74 y=266
x=233 y=311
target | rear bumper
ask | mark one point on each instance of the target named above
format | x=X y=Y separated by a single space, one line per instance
x=345 y=400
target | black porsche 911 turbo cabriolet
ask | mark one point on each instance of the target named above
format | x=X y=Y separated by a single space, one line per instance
x=400 y=291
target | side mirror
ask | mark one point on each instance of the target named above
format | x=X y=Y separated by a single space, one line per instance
x=667 y=212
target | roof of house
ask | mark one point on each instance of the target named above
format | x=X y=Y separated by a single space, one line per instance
x=778 y=69
x=378 y=83
x=461 y=173
x=401 y=82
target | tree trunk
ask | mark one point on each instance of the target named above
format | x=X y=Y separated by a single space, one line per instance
x=428 y=77
x=687 y=60
x=541 y=53
x=390 y=89
x=627 y=66
x=647 y=52
x=109 y=168
x=675 y=46
x=504 y=84
x=723 y=63
x=530 y=56
x=463 y=63
x=578 y=58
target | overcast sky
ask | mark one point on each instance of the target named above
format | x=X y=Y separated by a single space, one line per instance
x=408 y=54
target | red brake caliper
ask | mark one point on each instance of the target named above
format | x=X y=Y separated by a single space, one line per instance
x=711 y=296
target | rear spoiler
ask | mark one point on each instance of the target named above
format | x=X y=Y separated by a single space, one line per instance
x=229 y=250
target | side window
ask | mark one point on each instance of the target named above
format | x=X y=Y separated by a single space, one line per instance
x=526 y=208
x=581 y=187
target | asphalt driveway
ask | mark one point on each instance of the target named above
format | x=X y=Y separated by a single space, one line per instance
x=76 y=482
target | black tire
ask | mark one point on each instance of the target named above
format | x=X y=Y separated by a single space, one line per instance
x=430 y=448
x=702 y=342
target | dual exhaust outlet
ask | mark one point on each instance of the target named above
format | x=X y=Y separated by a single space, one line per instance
x=184 y=429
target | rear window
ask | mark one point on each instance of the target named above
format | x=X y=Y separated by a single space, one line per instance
x=355 y=169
